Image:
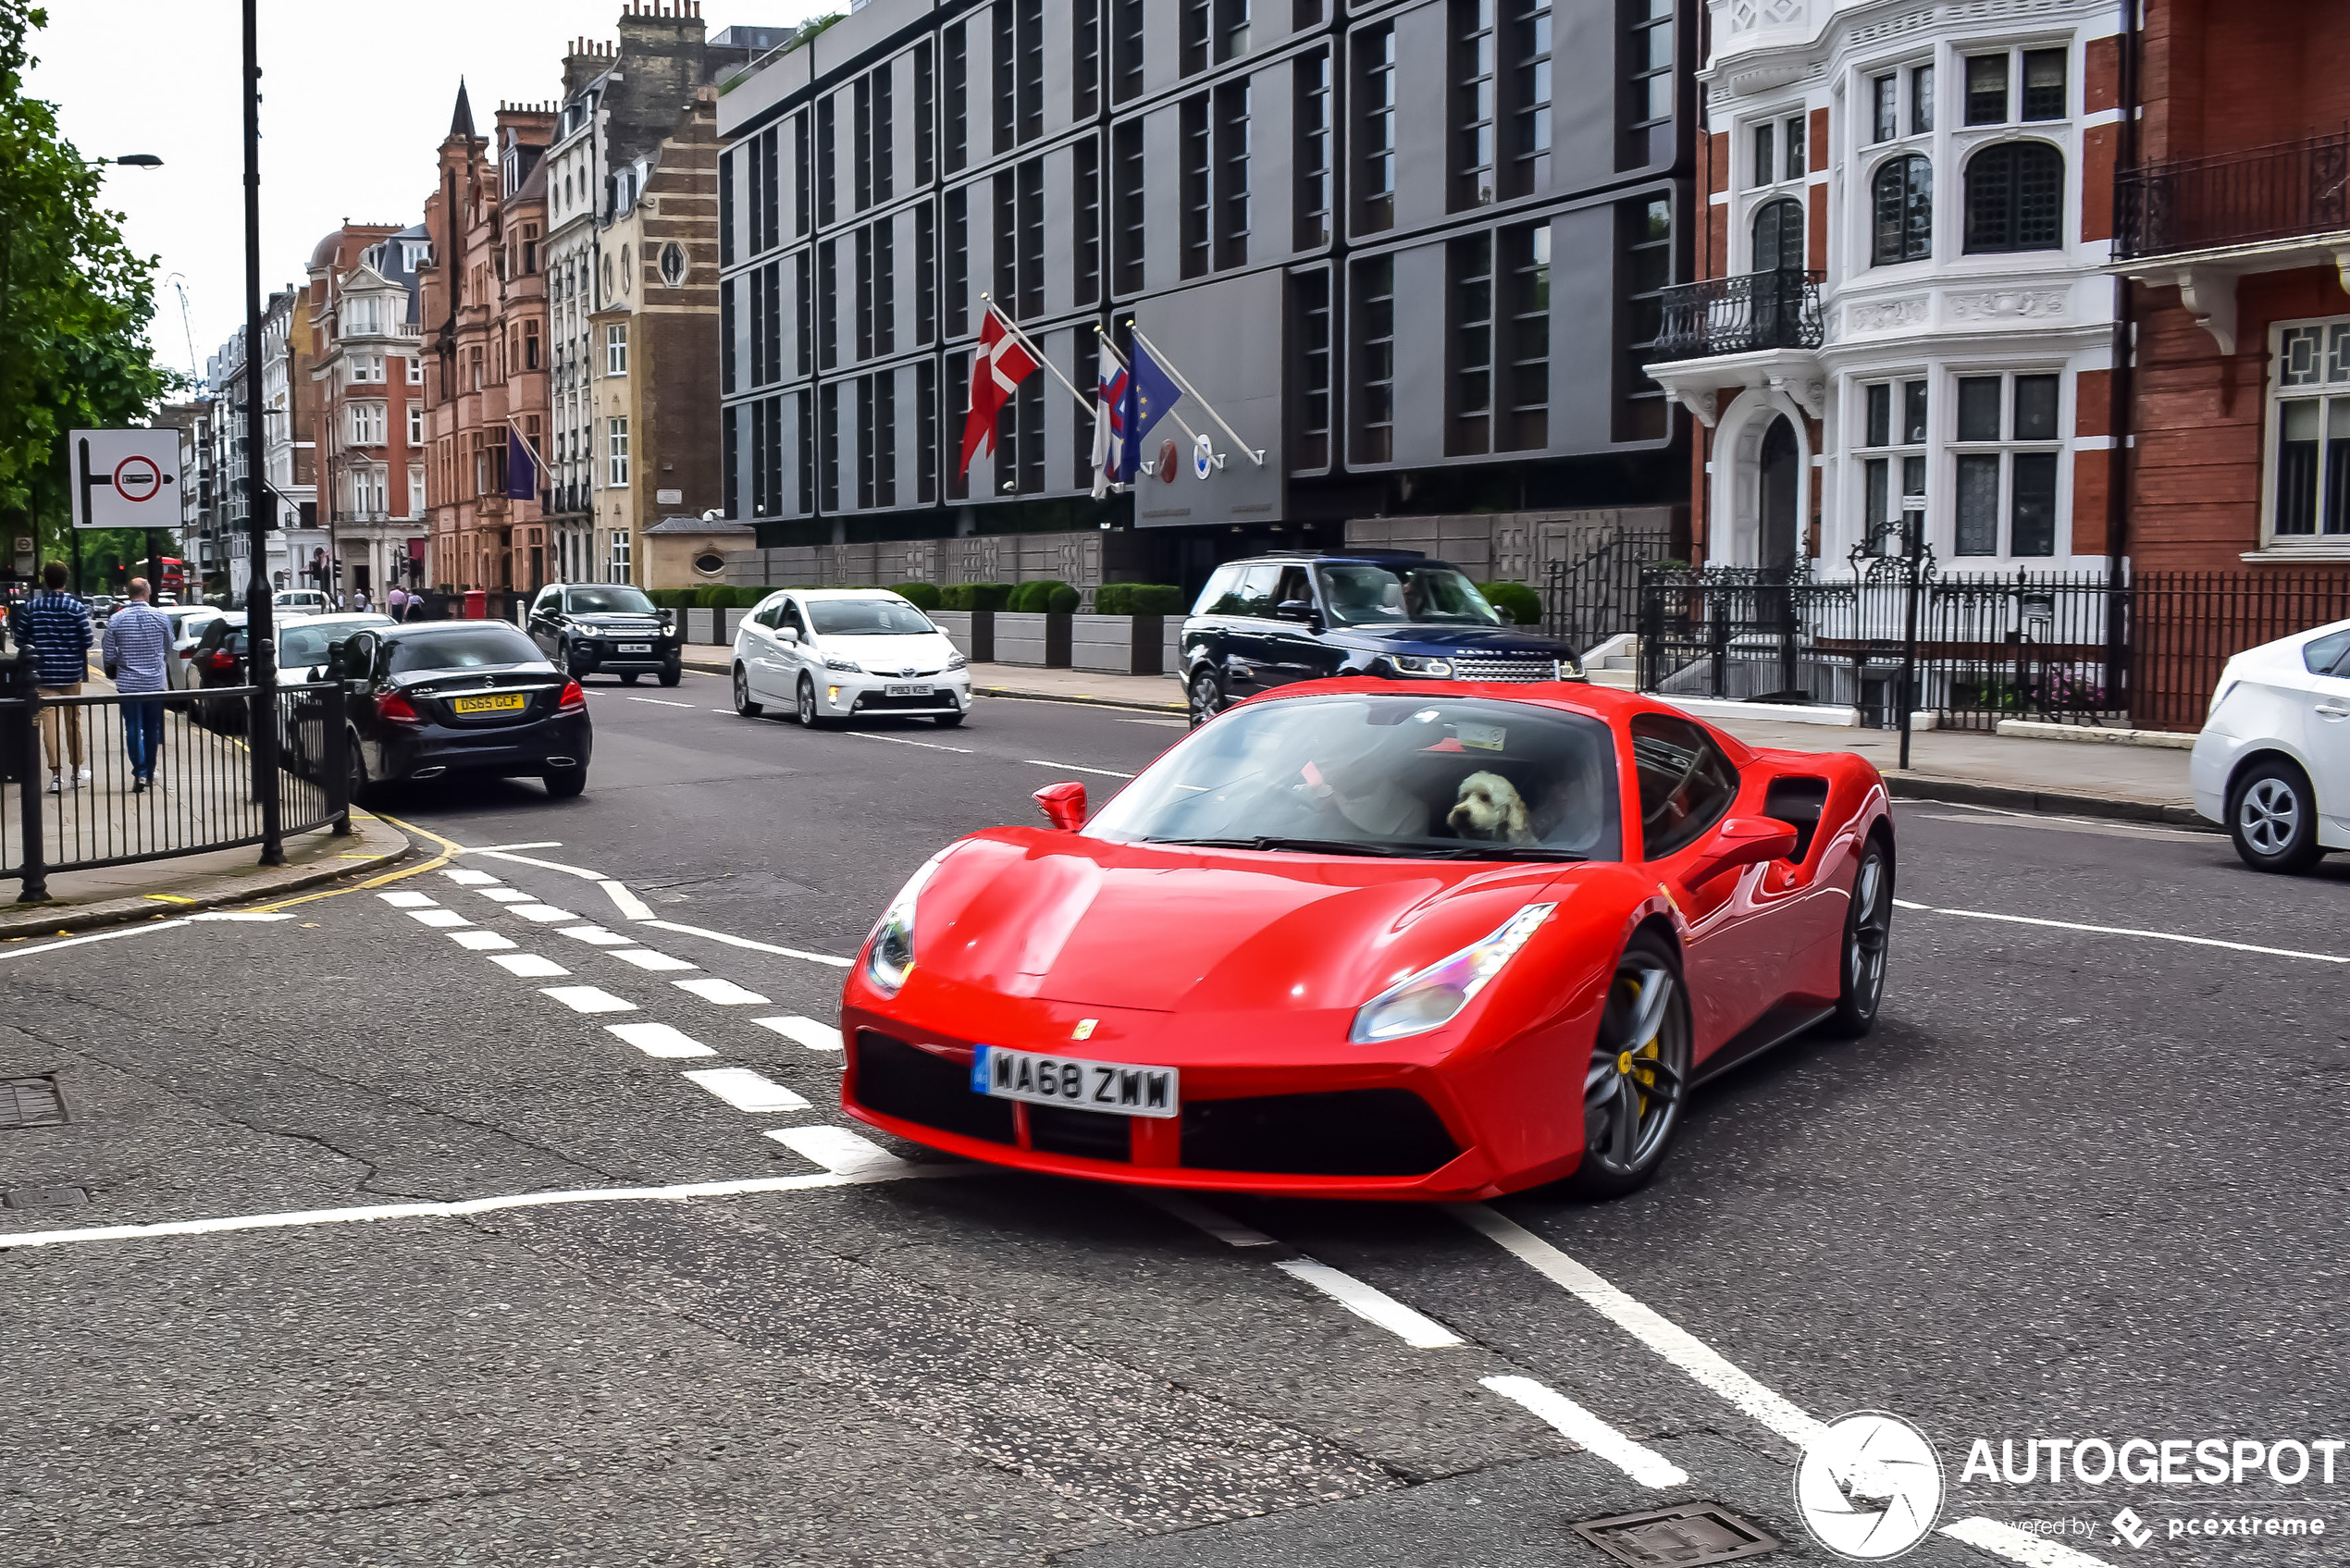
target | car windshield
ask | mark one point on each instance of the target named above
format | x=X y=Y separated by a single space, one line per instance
x=606 y=602
x=307 y=643
x=866 y=618
x=468 y=650
x=1364 y=593
x=1440 y=777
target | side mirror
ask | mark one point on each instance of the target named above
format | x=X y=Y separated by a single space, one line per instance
x=1294 y=609
x=1743 y=841
x=1064 y=805
x=787 y=634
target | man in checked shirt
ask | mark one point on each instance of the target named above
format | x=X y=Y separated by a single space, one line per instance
x=138 y=655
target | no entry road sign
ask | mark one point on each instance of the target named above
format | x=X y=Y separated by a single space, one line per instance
x=125 y=478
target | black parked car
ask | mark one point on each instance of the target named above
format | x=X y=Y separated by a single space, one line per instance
x=1276 y=618
x=439 y=698
x=587 y=627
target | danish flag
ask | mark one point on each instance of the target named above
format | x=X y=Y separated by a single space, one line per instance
x=1002 y=363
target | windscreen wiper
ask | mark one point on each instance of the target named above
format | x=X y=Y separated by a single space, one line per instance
x=1307 y=846
x=1501 y=852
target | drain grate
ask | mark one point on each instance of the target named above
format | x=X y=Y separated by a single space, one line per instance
x=31 y=1102
x=1692 y=1536
x=45 y=1197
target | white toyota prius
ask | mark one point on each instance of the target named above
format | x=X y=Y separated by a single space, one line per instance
x=831 y=654
x=2272 y=764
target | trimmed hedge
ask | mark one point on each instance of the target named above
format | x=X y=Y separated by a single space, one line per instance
x=1048 y=596
x=921 y=596
x=975 y=595
x=1138 y=598
x=1515 y=601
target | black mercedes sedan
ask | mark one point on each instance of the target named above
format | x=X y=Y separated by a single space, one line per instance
x=452 y=697
x=591 y=627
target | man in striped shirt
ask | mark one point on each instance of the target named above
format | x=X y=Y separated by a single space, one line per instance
x=54 y=627
x=138 y=655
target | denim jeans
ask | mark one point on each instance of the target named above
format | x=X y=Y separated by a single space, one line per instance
x=142 y=734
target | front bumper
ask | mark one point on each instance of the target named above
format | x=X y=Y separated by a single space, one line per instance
x=842 y=695
x=605 y=657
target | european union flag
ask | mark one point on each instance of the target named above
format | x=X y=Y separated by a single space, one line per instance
x=1150 y=392
x=522 y=473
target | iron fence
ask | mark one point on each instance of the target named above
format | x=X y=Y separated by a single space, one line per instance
x=200 y=792
x=2275 y=192
x=1739 y=315
x=2188 y=625
x=1586 y=602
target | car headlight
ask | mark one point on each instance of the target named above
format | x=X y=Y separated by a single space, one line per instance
x=1427 y=669
x=890 y=952
x=1435 y=996
x=845 y=666
x=958 y=662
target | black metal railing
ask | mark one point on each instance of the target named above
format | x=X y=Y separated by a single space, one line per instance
x=200 y=792
x=1736 y=316
x=2266 y=194
x=1588 y=600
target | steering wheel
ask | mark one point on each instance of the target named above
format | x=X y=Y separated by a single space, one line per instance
x=1673 y=796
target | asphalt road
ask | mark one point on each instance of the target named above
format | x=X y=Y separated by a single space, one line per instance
x=2082 y=1183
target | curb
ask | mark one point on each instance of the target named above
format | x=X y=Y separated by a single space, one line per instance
x=1082 y=700
x=1918 y=786
x=2027 y=729
x=382 y=843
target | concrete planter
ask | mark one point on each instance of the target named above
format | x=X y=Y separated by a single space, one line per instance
x=971 y=631
x=694 y=624
x=1027 y=637
x=1171 y=656
x=1117 y=645
x=728 y=621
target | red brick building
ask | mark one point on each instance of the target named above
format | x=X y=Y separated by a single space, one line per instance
x=2232 y=230
x=484 y=304
x=369 y=378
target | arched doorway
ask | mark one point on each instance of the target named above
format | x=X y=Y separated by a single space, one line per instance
x=1779 y=538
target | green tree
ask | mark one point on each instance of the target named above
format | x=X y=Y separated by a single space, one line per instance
x=74 y=304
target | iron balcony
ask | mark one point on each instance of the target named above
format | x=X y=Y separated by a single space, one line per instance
x=1779 y=309
x=2286 y=191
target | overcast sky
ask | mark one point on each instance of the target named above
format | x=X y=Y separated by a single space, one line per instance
x=356 y=98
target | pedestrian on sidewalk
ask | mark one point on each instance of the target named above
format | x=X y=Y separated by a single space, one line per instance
x=138 y=658
x=396 y=602
x=55 y=627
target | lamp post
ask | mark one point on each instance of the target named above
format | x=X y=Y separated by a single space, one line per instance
x=261 y=640
x=130 y=160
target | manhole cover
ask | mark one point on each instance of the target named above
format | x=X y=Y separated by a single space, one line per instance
x=46 y=1197
x=31 y=1102
x=1691 y=1536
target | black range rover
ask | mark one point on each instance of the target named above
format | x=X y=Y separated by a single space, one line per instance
x=1276 y=618
x=591 y=627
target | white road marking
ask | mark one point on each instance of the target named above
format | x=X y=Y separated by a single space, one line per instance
x=101 y=936
x=2019 y=1546
x=530 y=965
x=254 y=915
x=725 y=710
x=659 y=702
x=631 y=907
x=1586 y=1430
x=464 y=876
x=840 y=1150
x=1074 y=767
x=1669 y=1339
x=645 y=958
x=2073 y=824
x=469 y=1206
x=502 y=849
x=747 y=1091
x=545 y=914
x=1191 y=1210
x=407 y=900
x=587 y=999
x=901 y=740
x=745 y=942
x=810 y=1033
x=659 y=1040
x=507 y=895
x=1905 y=903
x=1370 y=1304
x=1162 y=723
x=597 y=936
x=2130 y=931
x=481 y=940
x=725 y=993
x=542 y=865
x=442 y=919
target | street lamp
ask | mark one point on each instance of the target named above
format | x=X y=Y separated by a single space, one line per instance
x=132 y=160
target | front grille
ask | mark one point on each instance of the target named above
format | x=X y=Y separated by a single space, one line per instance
x=899 y=1080
x=1065 y=1130
x=873 y=702
x=1347 y=1132
x=1505 y=669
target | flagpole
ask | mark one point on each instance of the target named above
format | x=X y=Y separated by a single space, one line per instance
x=1256 y=455
x=1126 y=365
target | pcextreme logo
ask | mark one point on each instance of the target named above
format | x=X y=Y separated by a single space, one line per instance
x=1869 y=1487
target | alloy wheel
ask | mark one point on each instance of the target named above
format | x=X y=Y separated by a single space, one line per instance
x=808 y=704
x=743 y=704
x=1638 y=1072
x=2270 y=816
x=1207 y=697
x=1870 y=932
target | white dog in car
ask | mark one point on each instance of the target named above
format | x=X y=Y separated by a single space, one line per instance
x=1489 y=808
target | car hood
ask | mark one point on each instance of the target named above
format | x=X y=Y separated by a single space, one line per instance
x=1060 y=917
x=1433 y=639
x=915 y=653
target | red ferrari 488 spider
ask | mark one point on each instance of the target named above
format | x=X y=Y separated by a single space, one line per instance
x=1378 y=939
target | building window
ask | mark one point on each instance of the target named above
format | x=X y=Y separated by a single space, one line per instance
x=1373 y=316
x=1001 y=82
x=2044 y=84
x=885 y=137
x=726 y=367
x=616 y=450
x=1310 y=314
x=1232 y=174
x=1778 y=236
x=1199 y=20
x=862 y=141
x=1987 y=89
x=864 y=285
x=958 y=138
x=1525 y=273
x=828 y=448
x=616 y=569
x=1029 y=90
x=1310 y=164
x=2309 y=418
x=1126 y=49
x=767 y=455
x=1893 y=473
x=925 y=274
x=803 y=318
x=1375 y=95
x=828 y=305
x=2015 y=198
x=1005 y=289
x=766 y=219
x=1085 y=202
x=1644 y=237
x=1085 y=59
x=1472 y=103
x=925 y=114
x=1029 y=181
x=1232 y=30
x=1764 y=167
x=926 y=431
x=416 y=425
x=725 y=220
x=959 y=261
x=1030 y=459
x=958 y=382
x=530 y=343
x=616 y=348
x=1197 y=161
x=1469 y=347
x=416 y=371
x=1647 y=85
x=1126 y=177
x=1921 y=100
x=867 y=448
x=366 y=425
x=826 y=161
x=884 y=436
x=1530 y=107
x=1885 y=107
x=1901 y=199
x=2016 y=410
